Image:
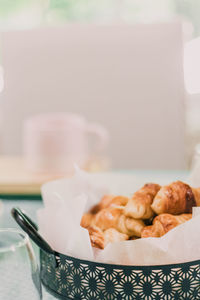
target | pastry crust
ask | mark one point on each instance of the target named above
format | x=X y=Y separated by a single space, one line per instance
x=105 y=202
x=100 y=239
x=176 y=198
x=107 y=218
x=112 y=217
x=196 y=193
x=164 y=223
x=87 y=220
x=108 y=201
x=119 y=218
x=130 y=226
x=96 y=237
x=112 y=235
x=139 y=206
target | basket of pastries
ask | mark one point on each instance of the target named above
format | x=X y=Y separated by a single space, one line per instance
x=153 y=214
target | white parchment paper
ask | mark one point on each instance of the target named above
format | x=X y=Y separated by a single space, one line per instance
x=66 y=200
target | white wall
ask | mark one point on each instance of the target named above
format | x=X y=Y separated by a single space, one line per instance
x=127 y=77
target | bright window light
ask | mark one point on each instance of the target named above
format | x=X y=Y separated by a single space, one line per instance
x=192 y=66
x=1 y=79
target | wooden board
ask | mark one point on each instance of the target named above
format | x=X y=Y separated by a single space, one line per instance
x=15 y=179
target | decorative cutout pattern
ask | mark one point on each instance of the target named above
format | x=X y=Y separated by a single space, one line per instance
x=77 y=279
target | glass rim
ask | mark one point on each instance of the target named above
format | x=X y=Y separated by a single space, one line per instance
x=22 y=242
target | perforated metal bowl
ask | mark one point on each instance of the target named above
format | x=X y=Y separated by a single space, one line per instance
x=66 y=277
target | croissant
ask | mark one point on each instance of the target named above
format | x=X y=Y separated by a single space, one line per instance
x=139 y=206
x=164 y=223
x=96 y=237
x=100 y=239
x=109 y=200
x=196 y=193
x=113 y=217
x=107 y=218
x=105 y=202
x=111 y=235
x=87 y=220
x=118 y=201
x=176 y=198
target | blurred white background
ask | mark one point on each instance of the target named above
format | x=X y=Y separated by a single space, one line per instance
x=117 y=62
x=129 y=78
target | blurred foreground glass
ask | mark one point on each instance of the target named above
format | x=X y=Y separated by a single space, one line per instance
x=19 y=275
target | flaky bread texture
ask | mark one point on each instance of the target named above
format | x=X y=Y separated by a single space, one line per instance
x=108 y=201
x=87 y=220
x=176 y=198
x=100 y=239
x=112 y=217
x=151 y=212
x=196 y=193
x=164 y=223
x=139 y=206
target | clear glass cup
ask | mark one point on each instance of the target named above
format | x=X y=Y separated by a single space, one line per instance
x=19 y=274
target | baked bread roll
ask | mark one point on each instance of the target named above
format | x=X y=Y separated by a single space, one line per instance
x=113 y=217
x=119 y=218
x=109 y=200
x=130 y=226
x=96 y=237
x=107 y=218
x=87 y=220
x=105 y=202
x=111 y=235
x=118 y=201
x=139 y=206
x=196 y=193
x=100 y=239
x=164 y=223
x=175 y=198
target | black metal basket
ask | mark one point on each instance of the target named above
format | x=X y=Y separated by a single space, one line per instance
x=67 y=277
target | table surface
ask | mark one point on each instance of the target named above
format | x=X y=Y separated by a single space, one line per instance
x=15 y=178
x=31 y=206
x=6 y=221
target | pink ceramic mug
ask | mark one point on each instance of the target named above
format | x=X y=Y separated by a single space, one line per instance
x=54 y=142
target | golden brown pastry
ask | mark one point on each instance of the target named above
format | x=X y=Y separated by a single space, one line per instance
x=96 y=237
x=107 y=218
x=105 y=202
x=130 y=226
x=109 y=200
x=113 y=217
x=119 y=201
x=196 y=192
x=164 y=223
x=119 y=218
x=100 y=239
x=87 y=220
x=175 y=198
x=112 y=235
x=139 y=206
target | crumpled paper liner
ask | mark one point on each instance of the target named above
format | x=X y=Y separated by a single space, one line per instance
x=66 y=200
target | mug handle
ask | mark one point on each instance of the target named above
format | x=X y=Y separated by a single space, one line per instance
x=102 y=136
